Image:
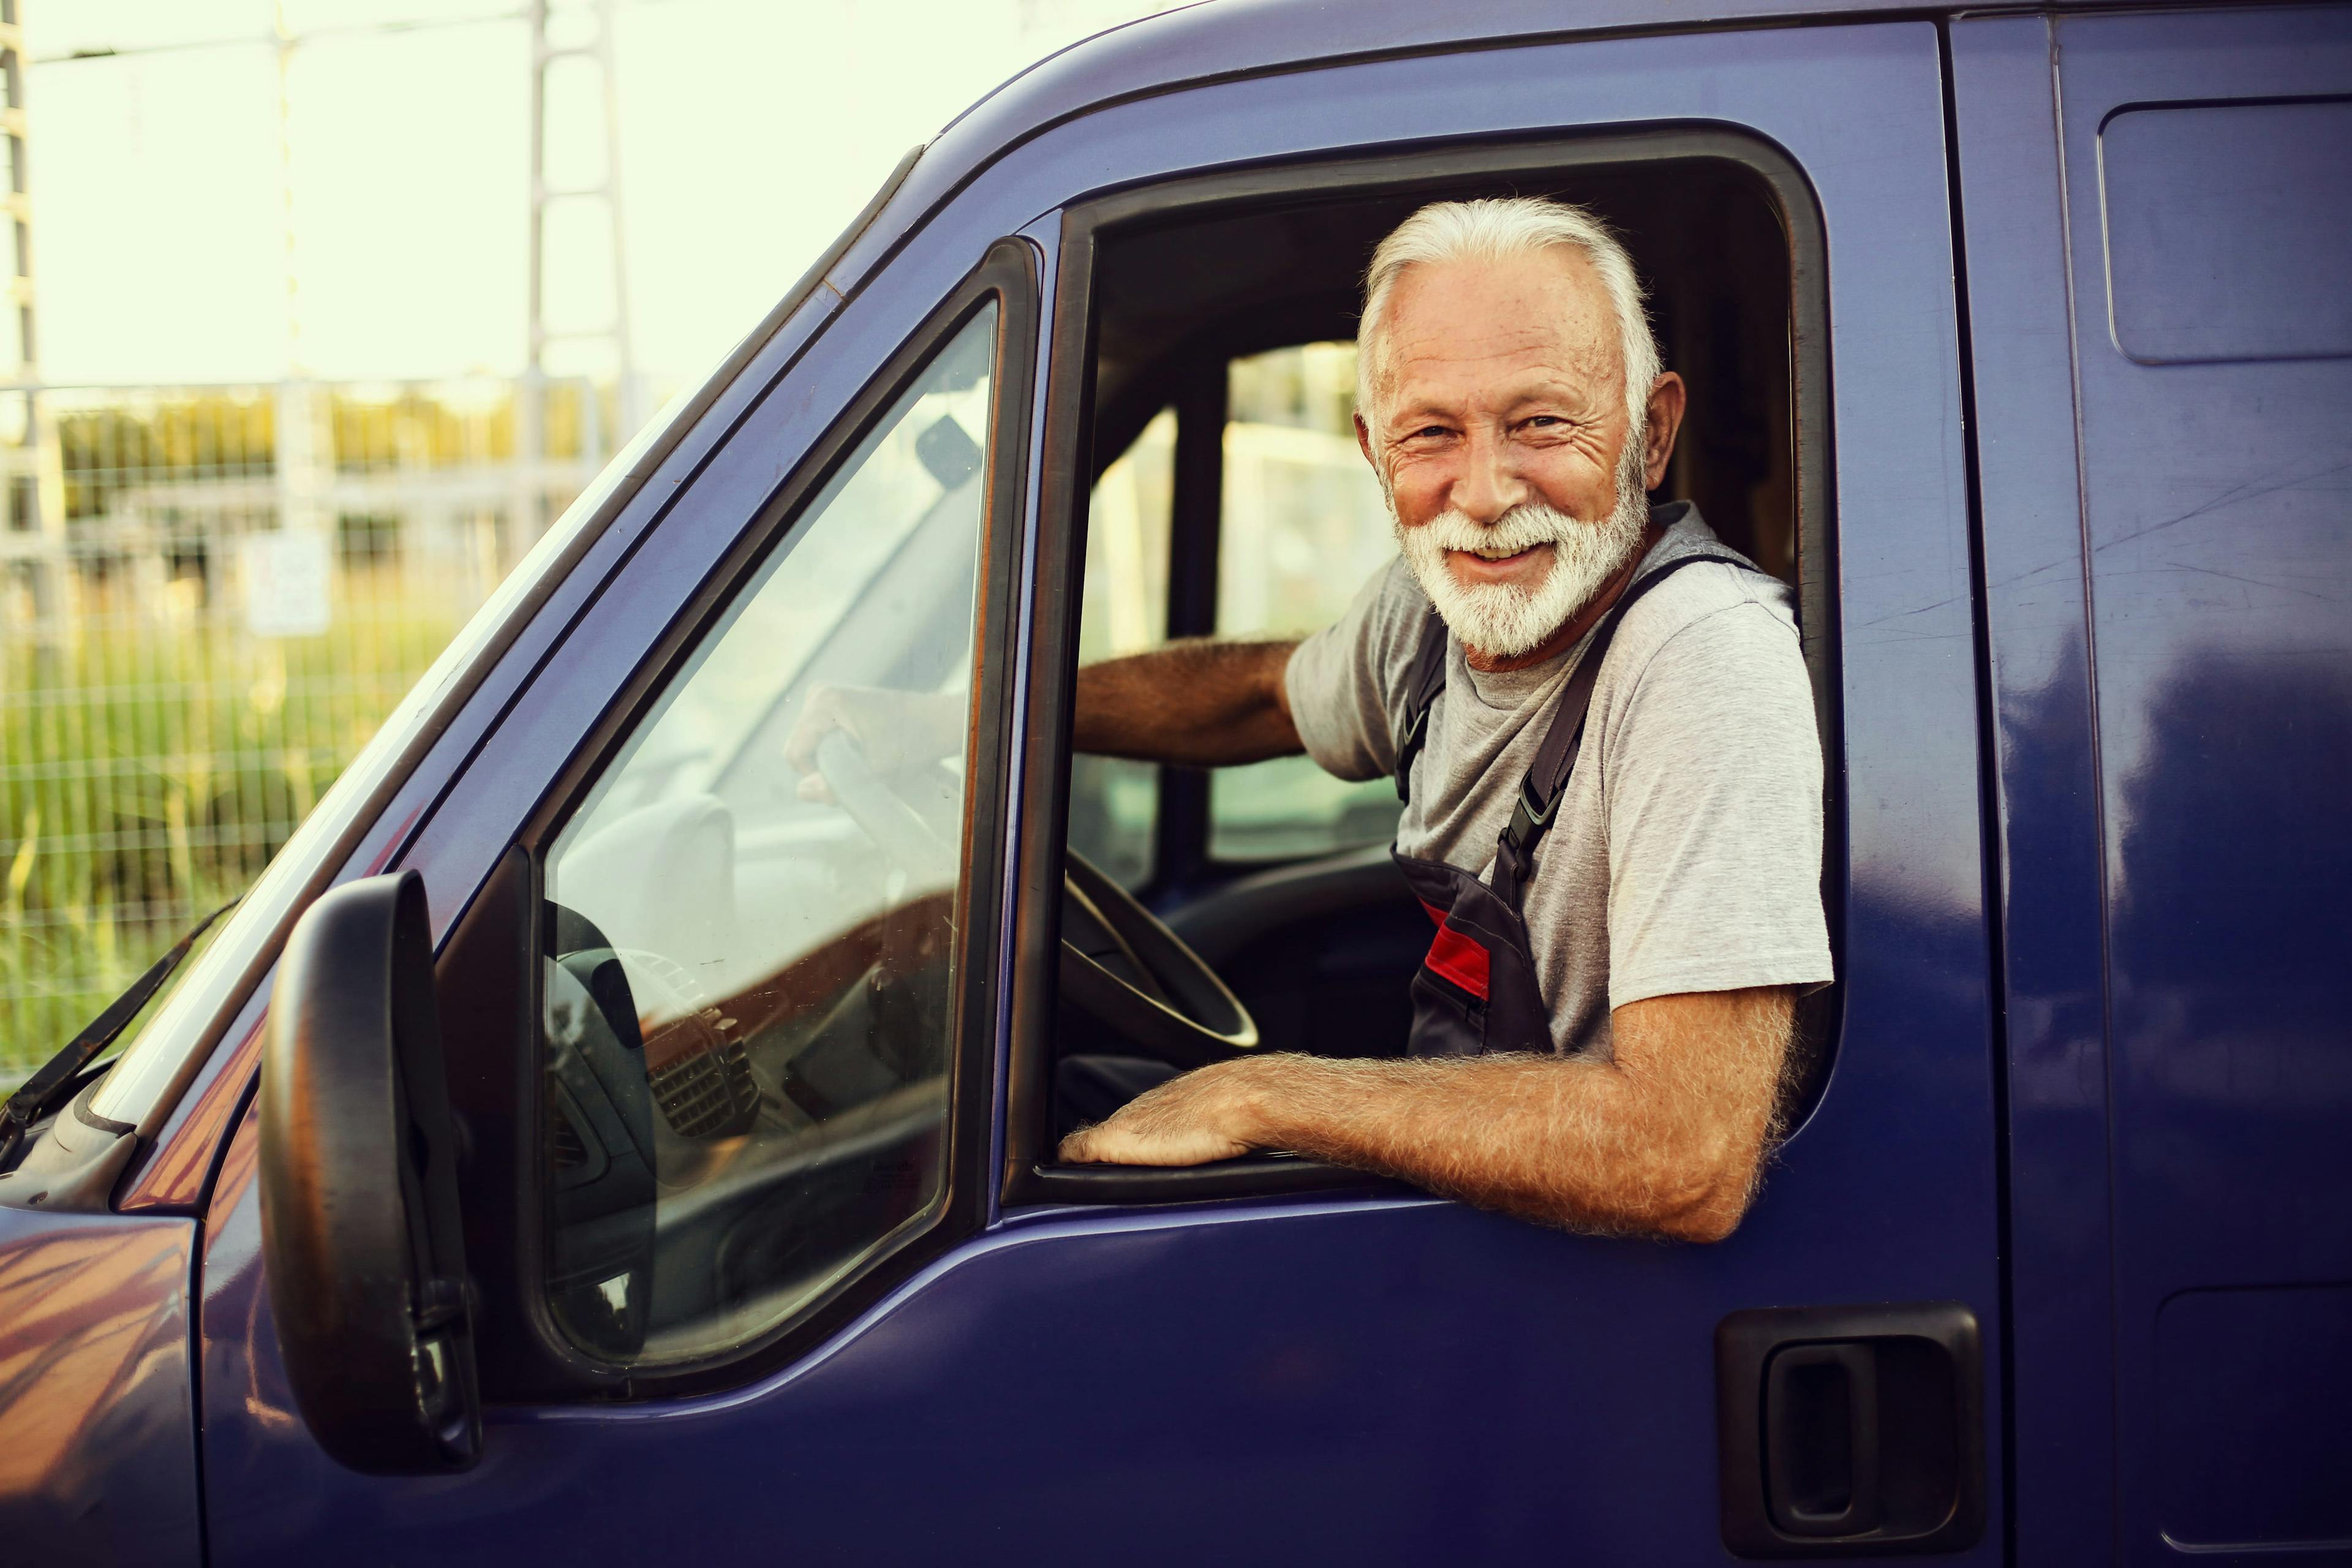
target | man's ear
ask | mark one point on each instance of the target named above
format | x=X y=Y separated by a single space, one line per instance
x=1364 y=442
x=1667 y=398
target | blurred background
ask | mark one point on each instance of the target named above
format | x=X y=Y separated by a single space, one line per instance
x=321 y=312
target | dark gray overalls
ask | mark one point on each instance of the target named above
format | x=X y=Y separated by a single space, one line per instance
x=1478 y=989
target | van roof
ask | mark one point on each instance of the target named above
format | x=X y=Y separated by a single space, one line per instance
x=1217 y=40
x=1210 y=39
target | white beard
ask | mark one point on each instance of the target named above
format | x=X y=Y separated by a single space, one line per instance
x=1503 y=620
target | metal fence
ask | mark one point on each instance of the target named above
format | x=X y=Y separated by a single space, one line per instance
x=246 y=579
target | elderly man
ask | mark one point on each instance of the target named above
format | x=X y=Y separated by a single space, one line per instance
x=1600 y=721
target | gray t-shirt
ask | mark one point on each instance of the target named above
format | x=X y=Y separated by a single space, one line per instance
x=1686 y=854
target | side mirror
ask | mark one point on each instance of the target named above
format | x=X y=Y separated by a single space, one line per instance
x=360 y=1222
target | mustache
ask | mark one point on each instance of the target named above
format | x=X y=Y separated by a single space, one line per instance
x=1527 y=526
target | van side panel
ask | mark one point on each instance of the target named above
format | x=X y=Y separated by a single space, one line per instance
x=2205 y=165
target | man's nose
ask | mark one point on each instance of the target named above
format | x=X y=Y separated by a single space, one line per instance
x=1489 y=484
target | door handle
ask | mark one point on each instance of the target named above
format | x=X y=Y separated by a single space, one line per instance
x=1820 y=1438
x=1849 y=1431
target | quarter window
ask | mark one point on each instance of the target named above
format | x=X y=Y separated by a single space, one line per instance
x=749 y=984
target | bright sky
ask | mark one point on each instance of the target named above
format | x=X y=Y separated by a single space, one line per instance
x=751 y=132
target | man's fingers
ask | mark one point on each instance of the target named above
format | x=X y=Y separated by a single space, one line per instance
x=1112 y=1144
x=1100 y=1145
x=813 y=787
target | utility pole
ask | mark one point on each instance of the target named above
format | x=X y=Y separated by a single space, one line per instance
x=33 y=508
x=296 y=446
x=587 y=36
x=284 y=579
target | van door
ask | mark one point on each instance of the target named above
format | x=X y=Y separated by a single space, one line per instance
x=2164 y=376
x=1314 y=1364
x=1328 y=1376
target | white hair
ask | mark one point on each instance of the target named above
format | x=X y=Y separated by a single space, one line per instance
x=1492 y=230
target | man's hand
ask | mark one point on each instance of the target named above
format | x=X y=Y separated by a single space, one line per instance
x=1666 y=1139
x=896 y=730
x=1203 y=1116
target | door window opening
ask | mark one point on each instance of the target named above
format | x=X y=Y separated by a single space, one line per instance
x=1223 y=356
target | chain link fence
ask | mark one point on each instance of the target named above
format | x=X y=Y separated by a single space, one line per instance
x=247 y=580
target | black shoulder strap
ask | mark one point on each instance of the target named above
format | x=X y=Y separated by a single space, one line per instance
x=1426 y=680
x=1546 y=780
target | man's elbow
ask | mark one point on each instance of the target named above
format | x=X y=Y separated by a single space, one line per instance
x=1708 y=1204
x=1706 y=1225
x=1689 y=1203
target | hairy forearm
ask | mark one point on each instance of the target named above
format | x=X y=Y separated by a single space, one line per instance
x=1200 y=702
x=1666 y=1140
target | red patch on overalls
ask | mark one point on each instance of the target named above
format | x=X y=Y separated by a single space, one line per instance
x=1455 y=956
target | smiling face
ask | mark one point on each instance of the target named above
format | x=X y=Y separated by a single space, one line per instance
x=1501 y=435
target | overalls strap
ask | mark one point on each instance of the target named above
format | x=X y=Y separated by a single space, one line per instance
x=1546 y=779
x=1423 y=682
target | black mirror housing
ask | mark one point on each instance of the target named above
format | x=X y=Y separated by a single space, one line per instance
x=361 y=1232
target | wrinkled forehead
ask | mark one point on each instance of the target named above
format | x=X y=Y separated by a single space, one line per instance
x=1482 y=328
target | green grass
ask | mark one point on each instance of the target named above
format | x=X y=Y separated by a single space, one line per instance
x=152 y=761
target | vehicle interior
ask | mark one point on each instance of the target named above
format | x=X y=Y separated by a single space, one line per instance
x=1227 y=498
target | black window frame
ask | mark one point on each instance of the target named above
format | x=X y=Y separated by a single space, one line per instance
x=1182 y=830
x=489 y=973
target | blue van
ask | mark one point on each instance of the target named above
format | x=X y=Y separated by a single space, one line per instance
x=586 y=1144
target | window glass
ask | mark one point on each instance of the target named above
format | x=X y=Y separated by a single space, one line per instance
x=1115 y=803
x=1304 y=526
x=749 y=988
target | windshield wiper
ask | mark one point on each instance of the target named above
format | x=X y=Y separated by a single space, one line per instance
x=48 y=1088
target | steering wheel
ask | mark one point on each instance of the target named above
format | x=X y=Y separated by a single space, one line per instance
x=1121 y=965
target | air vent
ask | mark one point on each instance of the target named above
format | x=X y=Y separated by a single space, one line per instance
x=700 y=1076
x=565 y=1151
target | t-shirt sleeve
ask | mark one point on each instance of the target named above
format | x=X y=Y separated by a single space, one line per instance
x=1712 y=785
x=1342 y=681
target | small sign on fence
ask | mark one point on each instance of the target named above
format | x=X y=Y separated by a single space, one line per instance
x=285 y=576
